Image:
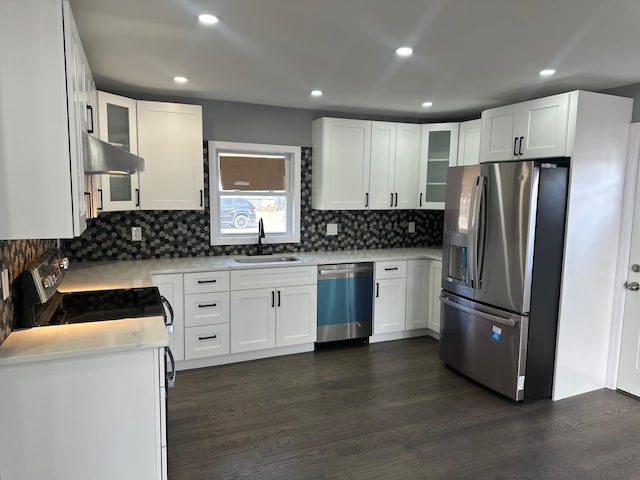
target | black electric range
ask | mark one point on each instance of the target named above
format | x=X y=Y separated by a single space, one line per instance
x=40 y=304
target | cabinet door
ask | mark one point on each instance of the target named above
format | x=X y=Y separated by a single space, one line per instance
x=439 y=151
x=469 y=143
x=435 y=282
x=76 y=66
x=171 y=287
x=406 y=183
x=383 y=160
x=544 y=126
x=498 y=133
x=389 y=305
x=341 y=161
x=170 y=141
x=417 y=294
x=296 y=315
x=117 y=121
x=253 y=320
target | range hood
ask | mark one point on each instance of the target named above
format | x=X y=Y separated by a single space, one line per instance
x=102 y=157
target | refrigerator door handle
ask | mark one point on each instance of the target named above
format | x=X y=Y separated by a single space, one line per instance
x=481 y=232
x=509 y=322
x=472 y=242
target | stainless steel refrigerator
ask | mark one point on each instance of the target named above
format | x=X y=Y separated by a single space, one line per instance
x=502 y=264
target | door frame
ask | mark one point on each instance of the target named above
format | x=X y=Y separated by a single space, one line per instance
x=624 y=254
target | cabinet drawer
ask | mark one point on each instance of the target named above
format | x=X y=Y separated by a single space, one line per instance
x=207 y=341
x=206 y=282
x=273 y=277
x=395 y=269
x=206 y=309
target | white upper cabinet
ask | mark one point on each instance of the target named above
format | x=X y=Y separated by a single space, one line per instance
x=469 y=143
x=118 y=126
x=169 y=138
x=383 y=161
x=359 y=165
x=439 y=152
x=170 y=141
x=534 y=129
x=43 y=115
x=341 y=160
x=407 y=167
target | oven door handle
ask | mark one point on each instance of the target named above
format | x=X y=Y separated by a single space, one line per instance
x=168 y=322
x=171 y=379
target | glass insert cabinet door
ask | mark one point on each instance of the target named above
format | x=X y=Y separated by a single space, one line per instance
x=439 y=151
x=118 y=126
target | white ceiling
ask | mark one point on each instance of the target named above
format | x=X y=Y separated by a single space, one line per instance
x=468 y=54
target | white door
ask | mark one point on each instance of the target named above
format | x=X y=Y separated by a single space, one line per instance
x=435 y=282
x=469 y=143
x=253 y=319
x=389 y=305
x=383 y=161
x=406 y=182
x=171 y=287
x=296 y=315
x=346 y=158
x=417 y=293
x=117 y=120
x=544 y=127
x=629 y=366
x=439 y=151
x=499 y=134
x=170 y=141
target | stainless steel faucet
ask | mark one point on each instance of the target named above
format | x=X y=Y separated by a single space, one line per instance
x=260 y=236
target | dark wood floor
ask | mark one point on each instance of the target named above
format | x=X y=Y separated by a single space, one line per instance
x=387 y=411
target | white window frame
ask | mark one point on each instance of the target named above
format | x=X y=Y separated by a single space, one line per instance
x=293 y=195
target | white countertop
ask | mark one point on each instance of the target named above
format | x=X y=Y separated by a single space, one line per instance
x=81 y=339
x=137 y=273
x=64 y=341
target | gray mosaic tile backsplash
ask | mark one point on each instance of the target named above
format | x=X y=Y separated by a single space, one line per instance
x=14 y=256
x=186 y=233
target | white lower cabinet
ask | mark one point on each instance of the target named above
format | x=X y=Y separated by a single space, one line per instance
x=390 y=297
x=206 y=314
x=417 y=293
x=281 y=313
x=253 y=320
x=171 y=287
x=435 y=282
x=93 y=417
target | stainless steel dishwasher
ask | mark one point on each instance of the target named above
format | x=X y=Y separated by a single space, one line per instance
x=345 y=301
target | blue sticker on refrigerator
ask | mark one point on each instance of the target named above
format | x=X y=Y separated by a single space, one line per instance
x=496 y=333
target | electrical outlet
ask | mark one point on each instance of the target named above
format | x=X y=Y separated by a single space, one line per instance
x=5 y=284
x=412 y=227
x=136 y=234
x=332 y=228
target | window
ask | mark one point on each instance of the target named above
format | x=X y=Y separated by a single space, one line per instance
x=249 y=182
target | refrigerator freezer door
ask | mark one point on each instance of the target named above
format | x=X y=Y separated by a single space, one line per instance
x=485 y=344
x=505 y=235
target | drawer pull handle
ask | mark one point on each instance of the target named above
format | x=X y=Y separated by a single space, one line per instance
x=207 y=281
x=208 y=337
x=390 y=269
x=207 y=305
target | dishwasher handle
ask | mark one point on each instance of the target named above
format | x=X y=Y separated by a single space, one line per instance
x=344 y=271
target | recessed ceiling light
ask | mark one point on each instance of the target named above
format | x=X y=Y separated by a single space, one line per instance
x=547 y=72
x=427 y=104
x=180 y=79
x=316 y=93
x=207 y=19
x=404 y=51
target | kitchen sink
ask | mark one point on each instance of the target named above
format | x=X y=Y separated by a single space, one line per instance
x=267 y=259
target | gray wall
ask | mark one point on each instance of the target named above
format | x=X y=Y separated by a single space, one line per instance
x=252 y=123
x=631 y=91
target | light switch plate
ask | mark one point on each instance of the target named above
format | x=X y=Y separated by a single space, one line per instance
x=332 y=228
x=136 y=234
x=5 y=284
x=412 y=227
